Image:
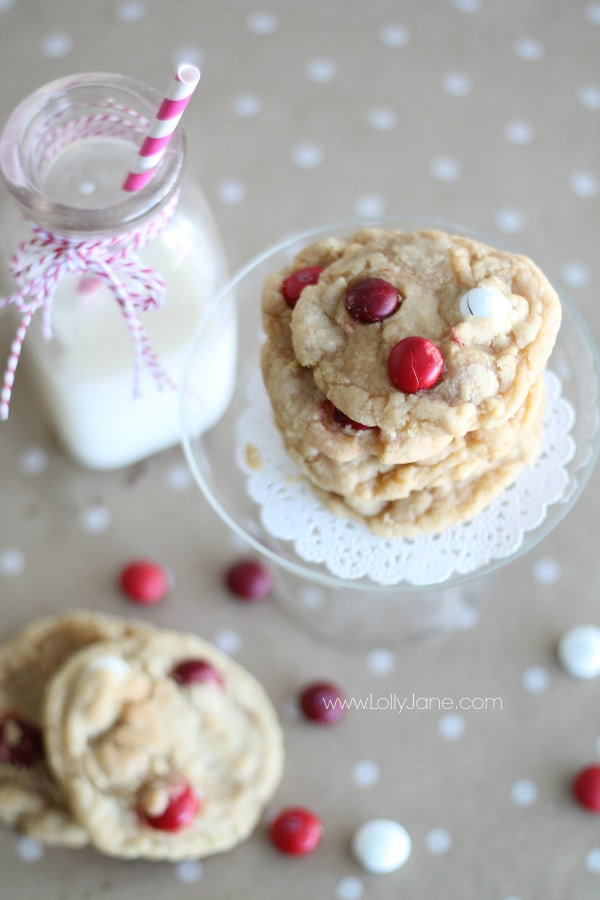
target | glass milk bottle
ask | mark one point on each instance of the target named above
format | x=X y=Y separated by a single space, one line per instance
x=106 y=286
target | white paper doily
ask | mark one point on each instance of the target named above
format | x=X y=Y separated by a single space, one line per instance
x=291 y=511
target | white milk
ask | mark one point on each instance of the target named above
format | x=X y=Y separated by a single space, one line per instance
x=84 y=375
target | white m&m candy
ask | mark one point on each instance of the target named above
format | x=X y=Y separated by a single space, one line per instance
x=485 y=303
x=579 y=651
x=381 y=846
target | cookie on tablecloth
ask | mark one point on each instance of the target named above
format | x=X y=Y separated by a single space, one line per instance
x=30 y=798
x=166 y=748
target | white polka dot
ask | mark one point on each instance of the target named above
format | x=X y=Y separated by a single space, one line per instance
x=56 y=44
x=575 y=274
x=130 y=11
x=321 y=69
x=394 y=35
x=584 y=184
x=457 y=84
x=246 y=105
x=369 y=206
x=349 y=888
x=438 y=841
x=228 y=640
x=231 y=191
x=310 y=596
x=29 y=849
x=589 y=96
x=535 y=679
x=466 y=618
x=510 y=221
x=5 y=5
x=262 y=22
x=445 y=168
x=382 y=118
x=365 y=773
x=12 y=562
x=381 y=661
x=178 y=478
x=592 y=13
x=86 y=187
x=528 y=49
x=189 y=871
x=518 y=132
x=592 y=861
x=467 y=6
x=524 y=792
x=307 y=155
x=451 y=726
x=188 y=53
x=95 y=518
x=33 y=460
x=547 y=570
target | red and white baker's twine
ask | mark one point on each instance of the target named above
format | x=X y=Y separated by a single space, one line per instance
x=41 y=262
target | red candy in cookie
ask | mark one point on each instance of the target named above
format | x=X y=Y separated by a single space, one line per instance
x=295 y=283
x=21 y=742
x=415 y=364
x=586 y=788
x=248 y=579
x=322 y=702
x=296 y=831
x=180 y=811
x=144 y=581
x=195 y=671
x=342 y=419
x=372 y=299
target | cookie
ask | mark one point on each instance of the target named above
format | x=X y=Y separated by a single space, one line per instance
x=166 y=747
x=425 y=363
x=30 y=798
x=367 y=485
x=303 y=412
x=442 y=501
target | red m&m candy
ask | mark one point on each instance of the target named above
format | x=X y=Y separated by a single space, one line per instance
x=248 y=579
x=586 y=788
x=342 y=419
x=295 y=283
x=372 y=299
x=145 y=581
x=322 y=702
x=180 y=811
x=296 y=831
x=21 y=742
x=196 y=671
x=415 y=364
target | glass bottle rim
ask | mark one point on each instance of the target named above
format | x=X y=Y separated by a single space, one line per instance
x=40 y=109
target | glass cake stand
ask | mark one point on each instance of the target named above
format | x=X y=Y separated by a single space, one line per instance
x=332 y=572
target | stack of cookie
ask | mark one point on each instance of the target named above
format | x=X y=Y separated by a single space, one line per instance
x=142 y=742
x=405 y=372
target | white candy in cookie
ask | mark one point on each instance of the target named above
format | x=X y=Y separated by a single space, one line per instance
x=166 y=748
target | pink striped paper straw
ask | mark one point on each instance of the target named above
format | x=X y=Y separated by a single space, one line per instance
x=167 y=118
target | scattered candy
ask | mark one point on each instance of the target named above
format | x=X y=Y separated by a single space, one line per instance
x=381 y=846
x=181 y=810
x=414 y=364
x=372 y=299
x=322 y=702
x=295 y=283
x=248 y=579
x=586 y=788
x=196 y=671
x=145 y=581
x=21 y=742
x=579 y=651
x=296 y=831
x=342 y=419
x=485 y=303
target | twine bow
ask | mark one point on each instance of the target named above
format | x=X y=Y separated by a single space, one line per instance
x=40 y=263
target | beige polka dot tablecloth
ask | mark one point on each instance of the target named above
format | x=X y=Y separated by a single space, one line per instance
x=480 y=112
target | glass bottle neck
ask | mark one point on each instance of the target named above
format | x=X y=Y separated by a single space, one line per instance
x=66 y=149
